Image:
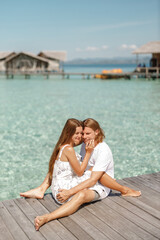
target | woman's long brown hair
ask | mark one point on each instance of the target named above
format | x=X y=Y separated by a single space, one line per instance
x=65 y=138
x=91 y=123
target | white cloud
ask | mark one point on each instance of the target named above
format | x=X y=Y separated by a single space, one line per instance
x=133 y=46
x=104 y=47
x=118 y=25
x=92 y=49
x=79 y=50
x=124 y=46
x=128 y=47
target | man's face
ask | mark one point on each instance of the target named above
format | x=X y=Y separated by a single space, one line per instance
x=88 y=134
x=77 y=137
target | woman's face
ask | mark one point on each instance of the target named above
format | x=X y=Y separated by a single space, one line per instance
x=89 y=134
x=77 y=137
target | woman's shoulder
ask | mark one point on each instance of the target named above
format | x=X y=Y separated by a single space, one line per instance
x=68 y=150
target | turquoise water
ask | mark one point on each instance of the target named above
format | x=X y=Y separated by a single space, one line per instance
x=33 y=112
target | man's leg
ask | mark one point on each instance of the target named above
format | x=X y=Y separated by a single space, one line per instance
x=39 y=191
x=67 y=209
x=111 y=183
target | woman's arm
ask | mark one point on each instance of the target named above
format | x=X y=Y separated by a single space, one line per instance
x=76 y=166
x=64 y=194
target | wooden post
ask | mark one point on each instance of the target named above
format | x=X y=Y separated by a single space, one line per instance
x=137 y=59
x=146 y=72
x=157 y=72
x=83 y=75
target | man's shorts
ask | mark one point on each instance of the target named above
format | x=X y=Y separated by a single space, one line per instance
x=96 y=196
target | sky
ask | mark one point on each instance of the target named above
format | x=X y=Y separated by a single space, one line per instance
x=84 y=29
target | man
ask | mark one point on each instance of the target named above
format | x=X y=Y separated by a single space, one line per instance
x=101 y=162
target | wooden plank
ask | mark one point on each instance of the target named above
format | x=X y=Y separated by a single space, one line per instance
x=142 y=202
x=156 y=176
x=45 y=230
x=14 y=228
x=97 y=223
x=4 y=232
x=89 y=228
x=146 y=193
x=113 y=220
x=135 y=230
x=23 y=221
x=122 y=201
x=55 y=225
x=149 y=231
x=68 y=223
x=150 y=182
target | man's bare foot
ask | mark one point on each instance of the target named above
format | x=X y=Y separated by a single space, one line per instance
x=39 y=221
x=33 y=193
x=128 y=192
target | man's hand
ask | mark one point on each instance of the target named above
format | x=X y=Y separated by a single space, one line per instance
x=63 y=195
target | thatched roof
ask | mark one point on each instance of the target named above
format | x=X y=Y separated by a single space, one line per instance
x=28 y=54
x=4 y=55
x=53 y=66
x=151 y=47
x=55 y=55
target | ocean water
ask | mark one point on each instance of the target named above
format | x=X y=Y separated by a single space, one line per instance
x=98 y=68
x=33 y=112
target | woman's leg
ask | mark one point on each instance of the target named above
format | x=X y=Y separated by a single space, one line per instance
x=39 y=191
x=111 y=183
x=67 y=209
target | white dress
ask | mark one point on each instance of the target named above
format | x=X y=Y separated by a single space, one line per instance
x=65 y=178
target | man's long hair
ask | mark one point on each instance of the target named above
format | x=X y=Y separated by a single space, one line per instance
x=94 y=125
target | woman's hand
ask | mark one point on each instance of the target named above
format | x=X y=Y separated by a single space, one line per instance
x=63 y=195
x=90 y=146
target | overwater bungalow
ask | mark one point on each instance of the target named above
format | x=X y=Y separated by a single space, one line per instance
x=28 y=63
x=25 y=62
x=3 y=57
x=55 y=58
x=154 y=65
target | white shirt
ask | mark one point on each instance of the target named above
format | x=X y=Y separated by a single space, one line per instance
x=101 y=159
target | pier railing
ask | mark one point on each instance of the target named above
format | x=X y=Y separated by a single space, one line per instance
x=140 y=72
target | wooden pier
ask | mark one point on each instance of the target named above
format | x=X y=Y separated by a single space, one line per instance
x=114 y=218
x=148 y=73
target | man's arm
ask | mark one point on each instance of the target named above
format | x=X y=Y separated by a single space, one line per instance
x=64 y=194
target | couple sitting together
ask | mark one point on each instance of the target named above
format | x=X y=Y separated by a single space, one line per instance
x=77 y=179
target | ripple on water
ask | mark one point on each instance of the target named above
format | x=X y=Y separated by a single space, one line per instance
x=33 y=113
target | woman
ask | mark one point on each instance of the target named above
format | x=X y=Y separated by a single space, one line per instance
x=62 y=161
x=65 y=169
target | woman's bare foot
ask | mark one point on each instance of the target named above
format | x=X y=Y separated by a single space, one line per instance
x=128 y=192
x=39 y=221
x=33 y=193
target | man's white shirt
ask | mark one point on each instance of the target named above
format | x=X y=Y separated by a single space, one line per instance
x=101 y=159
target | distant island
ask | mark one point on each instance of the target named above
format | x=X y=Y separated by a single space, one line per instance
x=103 y=61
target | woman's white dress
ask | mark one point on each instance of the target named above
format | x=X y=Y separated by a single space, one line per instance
x=65 y=178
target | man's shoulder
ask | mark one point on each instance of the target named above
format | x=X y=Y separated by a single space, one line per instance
x=103 y=145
